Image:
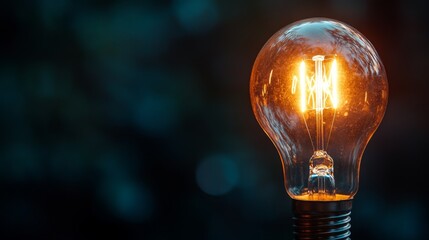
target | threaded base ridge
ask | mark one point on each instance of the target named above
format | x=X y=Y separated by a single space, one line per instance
x=321 y=220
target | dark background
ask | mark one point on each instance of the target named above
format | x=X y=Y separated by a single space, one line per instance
x=131 y=120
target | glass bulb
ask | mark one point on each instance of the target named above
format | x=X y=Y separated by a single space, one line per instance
x=319 y=90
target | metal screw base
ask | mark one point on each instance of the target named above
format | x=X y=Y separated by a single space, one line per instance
x=321 y=220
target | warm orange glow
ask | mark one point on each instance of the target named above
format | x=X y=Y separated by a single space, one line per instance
x=318 y=91
x=302 y=81
x=334 y=77
x=321 y=197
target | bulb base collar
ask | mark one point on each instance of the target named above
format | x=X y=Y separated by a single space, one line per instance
x=321 y=220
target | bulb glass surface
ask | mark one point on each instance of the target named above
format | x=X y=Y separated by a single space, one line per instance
x=319 y=90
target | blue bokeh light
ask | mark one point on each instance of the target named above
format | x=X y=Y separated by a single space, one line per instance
x=217 y=175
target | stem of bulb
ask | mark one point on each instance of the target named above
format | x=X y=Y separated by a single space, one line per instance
x=321 y=182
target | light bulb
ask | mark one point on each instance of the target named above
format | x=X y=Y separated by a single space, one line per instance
x=319 y=91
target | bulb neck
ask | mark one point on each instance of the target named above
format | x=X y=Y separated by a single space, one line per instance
x=321 y=219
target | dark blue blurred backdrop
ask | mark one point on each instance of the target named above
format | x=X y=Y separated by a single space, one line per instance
x=132 y=120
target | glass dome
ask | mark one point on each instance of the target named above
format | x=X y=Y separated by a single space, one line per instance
x=319 y=90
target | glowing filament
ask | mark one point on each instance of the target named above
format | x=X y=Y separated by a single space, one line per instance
x=334 y=78
x=302 y=80
x=317 y=91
